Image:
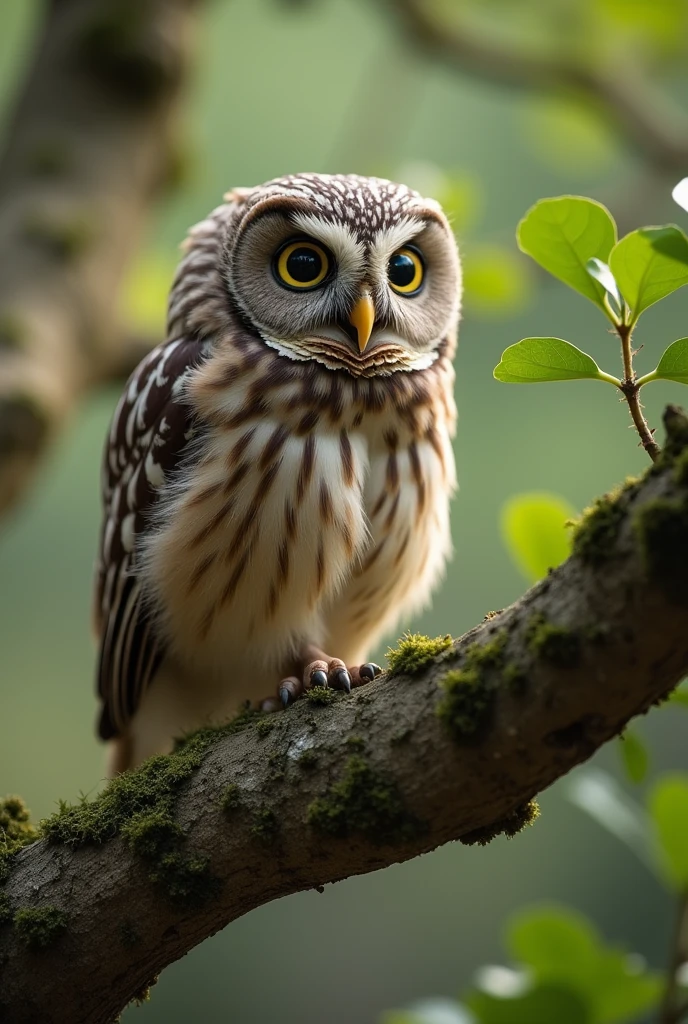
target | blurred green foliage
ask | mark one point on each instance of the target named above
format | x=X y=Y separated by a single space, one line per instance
x=561 y=969
x=534 y=531
x=669 y=809
x=143 y=300
x=654 y=31
x=634 y=756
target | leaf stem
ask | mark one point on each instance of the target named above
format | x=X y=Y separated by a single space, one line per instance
x=647 y=378
x=630 y=389
x=672 y=1011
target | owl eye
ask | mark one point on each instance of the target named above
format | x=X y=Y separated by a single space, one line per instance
x=405 y=271
x=301 y=265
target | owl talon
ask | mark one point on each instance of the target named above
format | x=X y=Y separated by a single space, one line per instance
x=289 y=690
x=341 y=680
x=369 y=671
x=319 y=678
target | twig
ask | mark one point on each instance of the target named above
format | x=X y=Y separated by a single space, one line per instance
x=90 y=145
x=631 y=392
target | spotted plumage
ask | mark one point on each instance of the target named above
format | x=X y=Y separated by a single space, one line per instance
x=278 y=471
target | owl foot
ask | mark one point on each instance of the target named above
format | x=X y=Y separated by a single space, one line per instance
x=320 y=670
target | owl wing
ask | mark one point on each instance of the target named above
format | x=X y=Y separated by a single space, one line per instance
x=149 y=433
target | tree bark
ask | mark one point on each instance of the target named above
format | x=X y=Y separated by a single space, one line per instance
x=90 y=144
x=378 y=776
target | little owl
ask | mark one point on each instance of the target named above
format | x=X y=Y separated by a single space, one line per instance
x=278 y=472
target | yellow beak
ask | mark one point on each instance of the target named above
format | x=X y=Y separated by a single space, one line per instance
x=362 y=317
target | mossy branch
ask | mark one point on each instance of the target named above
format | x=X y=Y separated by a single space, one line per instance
x=453 y=743
x=90 y=144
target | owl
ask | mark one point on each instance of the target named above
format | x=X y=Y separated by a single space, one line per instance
x=278 y=472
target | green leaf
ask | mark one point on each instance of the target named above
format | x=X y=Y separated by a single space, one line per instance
x=497 y=282
x=563 y=234
x=634 y=756
x=680 y=695
x=551 y=939
x=597 y=794
x=598 y=269
x=535 y=360
x=625 y=990
x=543 y=1004
x=674 y=363
x=650 y=264
x=680 y=194
x=561 y=945
x=534 y=532
x=669 y=809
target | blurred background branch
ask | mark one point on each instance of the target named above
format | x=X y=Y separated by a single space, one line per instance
x=641 y=114
x=93 y=141
x=90 y=145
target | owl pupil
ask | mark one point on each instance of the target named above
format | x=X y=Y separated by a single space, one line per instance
x=304 y=265
x=401 y=269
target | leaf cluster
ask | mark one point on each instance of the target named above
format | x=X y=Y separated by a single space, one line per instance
x=575 y=240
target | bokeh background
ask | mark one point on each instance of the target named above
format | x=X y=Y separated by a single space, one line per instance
x=328 y=86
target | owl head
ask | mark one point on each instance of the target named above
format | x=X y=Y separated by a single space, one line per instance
x=359 y=274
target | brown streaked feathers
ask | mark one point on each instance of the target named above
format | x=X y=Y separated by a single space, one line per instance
x=269 y=488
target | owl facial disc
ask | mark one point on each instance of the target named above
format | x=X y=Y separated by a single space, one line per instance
x=357 y=274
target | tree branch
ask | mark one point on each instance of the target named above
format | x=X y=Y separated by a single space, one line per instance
x=91 y=142
x=637 y=112
x=453 y=749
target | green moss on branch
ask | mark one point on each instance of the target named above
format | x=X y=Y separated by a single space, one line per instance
x=414 y=652
x=320 y=695
x=662 y=530
x=365 y=803
x=596 y=532
x=6 y=914
x=40 y=927
x=559 y=646
x=519 y=819
x=139 y=806
x=230 y=798
x=16 y=831
x=466 y=703
x=265 y=824
x=468 y=692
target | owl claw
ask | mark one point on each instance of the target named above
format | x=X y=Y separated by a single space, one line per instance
x=289 y=690
x=341 y=680
x=321 y=671
x=319 y=678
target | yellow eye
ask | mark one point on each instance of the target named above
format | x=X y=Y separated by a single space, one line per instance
x=301 y=265
x=405 y=271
